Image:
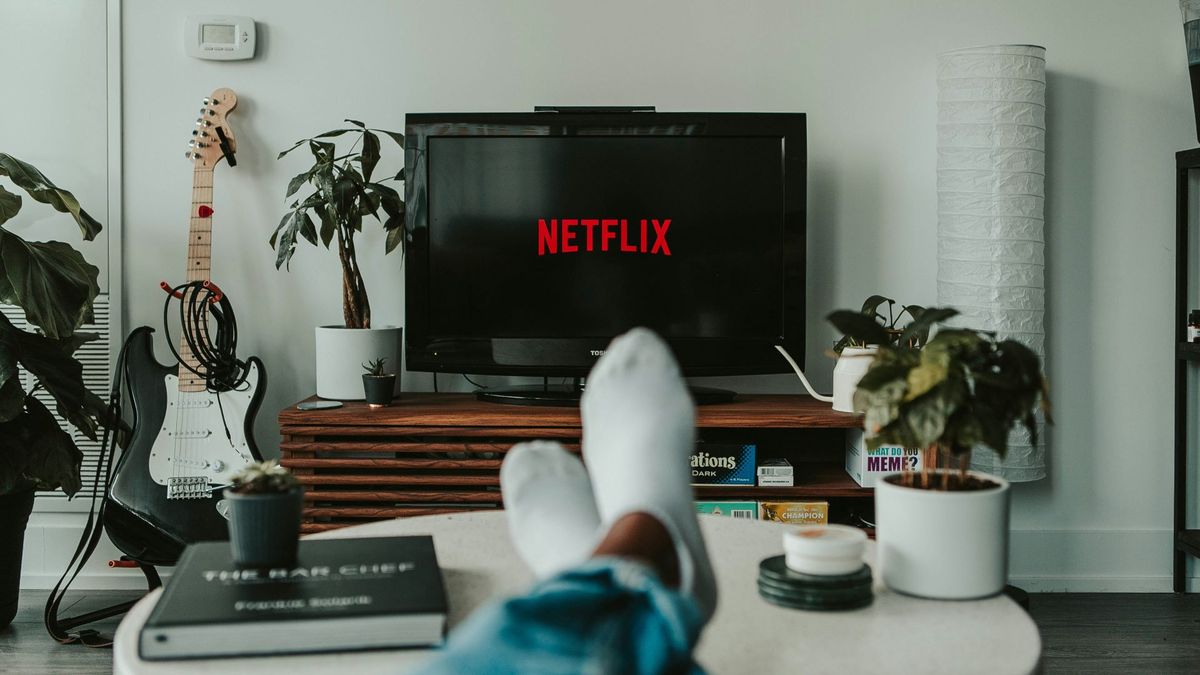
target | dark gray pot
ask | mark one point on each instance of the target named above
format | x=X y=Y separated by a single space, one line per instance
x=378 y=389
x=14 y=515
x=264 y=528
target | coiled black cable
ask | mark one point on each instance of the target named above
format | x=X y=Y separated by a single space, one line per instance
x=216 y=355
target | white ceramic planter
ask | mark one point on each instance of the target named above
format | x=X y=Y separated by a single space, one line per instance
x=851 y=365
x=341 y=352
x=944 y=545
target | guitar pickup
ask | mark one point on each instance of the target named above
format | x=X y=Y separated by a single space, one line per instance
x=188 y=487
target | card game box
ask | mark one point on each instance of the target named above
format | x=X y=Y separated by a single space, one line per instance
x=748 y=509
x=867 y=466
x=723 y=464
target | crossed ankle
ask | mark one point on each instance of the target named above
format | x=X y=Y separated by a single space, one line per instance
x=643 y=537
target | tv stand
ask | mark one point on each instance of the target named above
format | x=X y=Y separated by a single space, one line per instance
x=569 y=395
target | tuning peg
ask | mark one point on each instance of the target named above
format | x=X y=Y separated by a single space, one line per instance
x=191 y=155
x=201 y=122
x=197 y=144
x=206 y=101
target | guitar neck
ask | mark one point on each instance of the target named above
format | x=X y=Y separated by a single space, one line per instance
x=199 y=264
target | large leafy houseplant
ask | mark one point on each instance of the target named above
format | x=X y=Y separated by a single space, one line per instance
x=55 y=287
x=344 y=191
x=961 y=389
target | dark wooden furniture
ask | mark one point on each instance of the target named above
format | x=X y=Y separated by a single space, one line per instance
x=1187 y=540
x=440 y=453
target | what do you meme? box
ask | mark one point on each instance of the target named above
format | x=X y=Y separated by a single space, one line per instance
x=867 y=466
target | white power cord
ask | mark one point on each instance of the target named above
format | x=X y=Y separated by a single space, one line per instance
x=803 y=379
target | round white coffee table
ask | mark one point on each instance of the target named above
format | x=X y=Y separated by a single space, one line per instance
x=896 y=634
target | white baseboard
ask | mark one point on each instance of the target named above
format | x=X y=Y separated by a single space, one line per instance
x=1094 y=561
x=1066 y=584
x=50 y=541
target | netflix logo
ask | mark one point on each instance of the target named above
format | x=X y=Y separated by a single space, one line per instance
x=574 y=235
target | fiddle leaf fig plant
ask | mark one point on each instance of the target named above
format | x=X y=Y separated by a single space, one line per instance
x=55 y=288
x=962 y=389
x=344 y=190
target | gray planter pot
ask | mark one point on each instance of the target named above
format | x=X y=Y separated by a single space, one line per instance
x=14 y=515
x=379 y=388
x=264 y=528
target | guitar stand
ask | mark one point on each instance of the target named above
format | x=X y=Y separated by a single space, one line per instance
x=93 y=638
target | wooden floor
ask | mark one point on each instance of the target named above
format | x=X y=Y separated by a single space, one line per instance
x=1093 y=633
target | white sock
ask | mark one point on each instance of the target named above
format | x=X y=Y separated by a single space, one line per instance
x=639 y=428
x=552 y=516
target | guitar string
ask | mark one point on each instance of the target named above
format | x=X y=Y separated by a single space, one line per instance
x=195 y=233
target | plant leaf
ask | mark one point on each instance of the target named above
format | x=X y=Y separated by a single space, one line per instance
x=54 y=460
x=284 y=239
x=296 y=145
x=50 y=281
x=356 y=123
x=860 y=327
x=29 y=179
x=328 y=226
x=12 y=399
x=370 y=154
x=397 y=137
x=10 y=204
x=395 y=234
x=871 y=305
x=308 y=229
x=49 y=360
x=919 y=327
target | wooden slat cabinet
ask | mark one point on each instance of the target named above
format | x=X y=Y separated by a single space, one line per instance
x=441 y=453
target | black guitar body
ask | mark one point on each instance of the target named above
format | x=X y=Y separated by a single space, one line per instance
x=138 y=517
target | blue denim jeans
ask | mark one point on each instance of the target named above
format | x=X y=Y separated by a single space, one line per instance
x=609 y=615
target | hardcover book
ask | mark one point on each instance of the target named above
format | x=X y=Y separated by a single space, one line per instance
x=340 y=595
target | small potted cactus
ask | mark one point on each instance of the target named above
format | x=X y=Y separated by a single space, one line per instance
x=379 y=386
x=265 y=501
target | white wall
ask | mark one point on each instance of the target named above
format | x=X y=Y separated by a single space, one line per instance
x=863 y=71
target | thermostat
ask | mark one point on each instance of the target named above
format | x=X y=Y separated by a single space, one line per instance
x=218 y=37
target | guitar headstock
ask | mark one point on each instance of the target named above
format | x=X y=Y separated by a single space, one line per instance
x=213 y=138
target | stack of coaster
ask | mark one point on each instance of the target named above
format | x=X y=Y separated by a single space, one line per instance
x=785 y=587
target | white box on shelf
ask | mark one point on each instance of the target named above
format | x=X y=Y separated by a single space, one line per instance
x=866 y=466
x=776 y=472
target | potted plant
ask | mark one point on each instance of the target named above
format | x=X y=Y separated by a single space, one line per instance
x=265 y=502
x=344 y=191
x=943 y=531
x=862 y=333
x=55 y=287
x=378 y=386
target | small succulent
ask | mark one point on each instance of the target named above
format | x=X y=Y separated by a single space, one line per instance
x=374 y=368
x=263 y=478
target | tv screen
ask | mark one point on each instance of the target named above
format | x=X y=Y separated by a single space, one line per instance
x=537 y=238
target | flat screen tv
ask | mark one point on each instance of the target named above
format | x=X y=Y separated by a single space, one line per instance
x=535 y=238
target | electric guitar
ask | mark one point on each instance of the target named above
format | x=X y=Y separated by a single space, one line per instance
x=188 y=441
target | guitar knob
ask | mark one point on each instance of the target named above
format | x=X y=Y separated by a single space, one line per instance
x=216 y=465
